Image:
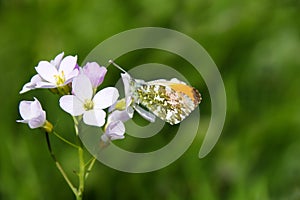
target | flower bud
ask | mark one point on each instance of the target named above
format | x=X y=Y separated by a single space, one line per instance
x=32 y=113
x=95 y=73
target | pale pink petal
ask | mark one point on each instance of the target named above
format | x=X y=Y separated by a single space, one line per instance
x=35 y=79
x=25 y=109
x=119 y=115
x=72 y=105
x=69 y=77
x=68 y=64
x=82 y=87
x=32 y=84
x=25 y=121
x=36 y=108
x=32 y=113
x=112 y=107
x=57 y=60
x=105 y=97
x=94 y=117
x=38 y=121
x=114 y=131
x=95 y=73
x=27 y=87
x=43 y=84
x=47 y=71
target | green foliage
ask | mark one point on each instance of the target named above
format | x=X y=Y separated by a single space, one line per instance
x=256 y=47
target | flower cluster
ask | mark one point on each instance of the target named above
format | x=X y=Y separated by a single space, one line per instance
x=78 y=88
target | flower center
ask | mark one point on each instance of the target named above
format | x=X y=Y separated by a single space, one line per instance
x=88 y=105
x=60 y=78
x=121 y=104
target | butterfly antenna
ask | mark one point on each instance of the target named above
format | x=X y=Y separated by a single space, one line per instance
x=117 y=66
x=120 y=68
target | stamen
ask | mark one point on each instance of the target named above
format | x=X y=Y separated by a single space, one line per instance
x=60 y=79
x=88 y=105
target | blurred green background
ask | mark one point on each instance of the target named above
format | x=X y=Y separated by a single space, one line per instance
x=256 y=46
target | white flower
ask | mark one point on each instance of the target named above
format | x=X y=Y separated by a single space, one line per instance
x=114 y=131
x=95 y=73
x=120 y=112
x=36 y=79
x=32 y=113
x=57 y=72
x=83 y=102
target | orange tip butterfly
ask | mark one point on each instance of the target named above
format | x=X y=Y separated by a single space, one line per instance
x=170 y=100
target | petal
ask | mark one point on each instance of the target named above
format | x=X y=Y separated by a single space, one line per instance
x=112 y=107
x=43 y=84
x=115 y=130
x=57 y=60
x=47 y=71
x=69 y=77
x=35 y=79
x=94 y=117
x=27 y=87
x=32 y=84
x=30 y=110
x=95 y=73
x=82 y=87
x=71 y=104
x=25 y=109
x=68 y=64
x=118 y=115
x=23 y=121
x=106 y=97
x=38 y=121
x=36 y=108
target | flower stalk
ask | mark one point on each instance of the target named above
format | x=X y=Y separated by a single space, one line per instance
x=81 y=173
x=59 y=167
x=84 y=169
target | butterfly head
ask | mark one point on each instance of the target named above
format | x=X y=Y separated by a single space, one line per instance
x=130 y=84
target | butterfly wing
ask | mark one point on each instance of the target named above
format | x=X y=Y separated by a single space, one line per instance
x=171 y=101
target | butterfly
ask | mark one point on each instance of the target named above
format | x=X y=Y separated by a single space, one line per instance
x=170 y=100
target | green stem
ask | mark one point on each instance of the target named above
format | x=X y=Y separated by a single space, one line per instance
x=92 y=162
x=65 y=140
x=76 y=126
x=59 y=167
x=81 y=174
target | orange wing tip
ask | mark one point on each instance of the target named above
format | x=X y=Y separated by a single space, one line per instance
x=191 y=92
